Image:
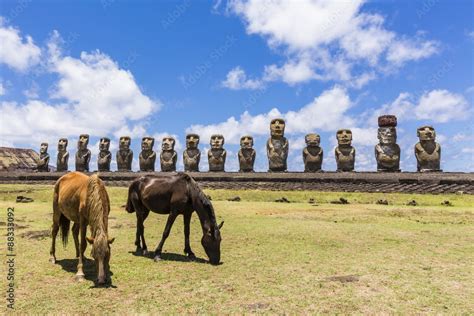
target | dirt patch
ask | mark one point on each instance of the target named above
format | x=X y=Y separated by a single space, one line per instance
x=343 y=278
x=37 y=235
x=116 y=226
x=16 y=225
x=340 y=201
x=282 y=200
x=234 y=199
x=256 y=306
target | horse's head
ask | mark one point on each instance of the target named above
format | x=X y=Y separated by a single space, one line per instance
x=211 y=241
x=101 y=254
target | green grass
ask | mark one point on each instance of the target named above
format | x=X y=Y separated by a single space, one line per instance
x=277 y=257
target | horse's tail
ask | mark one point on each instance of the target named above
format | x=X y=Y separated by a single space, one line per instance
x=132 y=193
x=64 y=222
x=97 y=200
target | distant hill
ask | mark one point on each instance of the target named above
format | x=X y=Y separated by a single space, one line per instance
x=18 y=159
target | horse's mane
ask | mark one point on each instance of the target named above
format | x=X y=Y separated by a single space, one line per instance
x=99 y=206
x=197 y=194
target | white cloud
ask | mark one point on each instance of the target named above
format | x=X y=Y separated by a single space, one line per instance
x=92 y=95
x=17 y=52
x=326 y=40
x=237 y=79
x=442 y=106
x=2 y=89
x=326 y=112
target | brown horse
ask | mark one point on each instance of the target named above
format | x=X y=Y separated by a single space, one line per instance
x=83 y=200
x=174 y=194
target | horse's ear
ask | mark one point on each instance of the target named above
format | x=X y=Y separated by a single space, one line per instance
x=221 y=224
x=111 y=240
x=90 y=240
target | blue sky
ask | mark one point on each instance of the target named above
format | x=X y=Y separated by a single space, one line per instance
x=112 y=68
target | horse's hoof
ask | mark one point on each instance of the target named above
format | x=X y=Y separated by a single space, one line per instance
x=157 y=258
x=191 y=257
x=80 y=278
x=52 y=260
x=145 y=252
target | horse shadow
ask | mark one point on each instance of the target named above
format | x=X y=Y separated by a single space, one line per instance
x=89 y=268
x=169 y=256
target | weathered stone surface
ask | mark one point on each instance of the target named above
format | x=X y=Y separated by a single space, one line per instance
x=277 y=147
x=246 y=154
x=13 y=159
x=387 y=151
x=124 y=154
x=427 y=150
x=43 y=161
x=312 y=153
x=147 y=156
x=105 y=156
x=217 y=154
x=83 y=154
x=63 y=155
x=192 y=155
x=168 y=156
x=344 y=152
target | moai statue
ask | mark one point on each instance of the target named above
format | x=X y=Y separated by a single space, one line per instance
x=147 y=156
x=43 y=162
x=387 y=152
x=427 y=151
x=83 y=154
x=217 y=154
x=191 y=155
x=63 y=155
x=168 y=156
x=124 y=154
x=105 y=156
x=246 y=154
x=277 y=146
x=344 y=152
x=312 y=153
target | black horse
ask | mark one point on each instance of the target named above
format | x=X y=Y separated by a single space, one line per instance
x=174 y=194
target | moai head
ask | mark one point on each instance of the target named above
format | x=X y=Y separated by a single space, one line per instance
x=124 y=143
x=147 y=143
x=426 y=133
x=277 y=128
x=192 y=141
x=83 y=141
x=344 y=137
x=312 y=140
x=43 y=148
x=104 y=144
x=168 y=143
x=387 y=133
x=246 y=142
x=62 y=144
x=217 y=141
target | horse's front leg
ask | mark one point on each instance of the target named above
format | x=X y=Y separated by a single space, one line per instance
x=166 y=233
x=54 y=233
x=83 y=244
x=140 y=236
x=187 y=247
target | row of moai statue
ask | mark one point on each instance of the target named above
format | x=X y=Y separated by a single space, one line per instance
x=387 y=151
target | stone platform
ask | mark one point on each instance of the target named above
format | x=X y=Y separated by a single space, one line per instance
x=404 y=182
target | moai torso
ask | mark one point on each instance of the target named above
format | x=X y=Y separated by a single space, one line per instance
x=168 y=156
x=63 y=155
x=312 y=153
x=147 y=156
x=246 y=154
x=83 y=154
x=387 y=151
x=105 y=156
x=344 y=152
x=277 y=147
x=43 y=162
x=124 y=154
x=217 y=154
x=427 y=151
x=191 y=155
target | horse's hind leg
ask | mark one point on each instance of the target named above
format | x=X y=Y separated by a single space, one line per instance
x=75 y=234
x=54 y=228
x=142 y=214
x=83 y=244
x=166 y=233
x=187 y=246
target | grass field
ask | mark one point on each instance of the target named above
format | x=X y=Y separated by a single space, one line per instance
x=277 y=257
